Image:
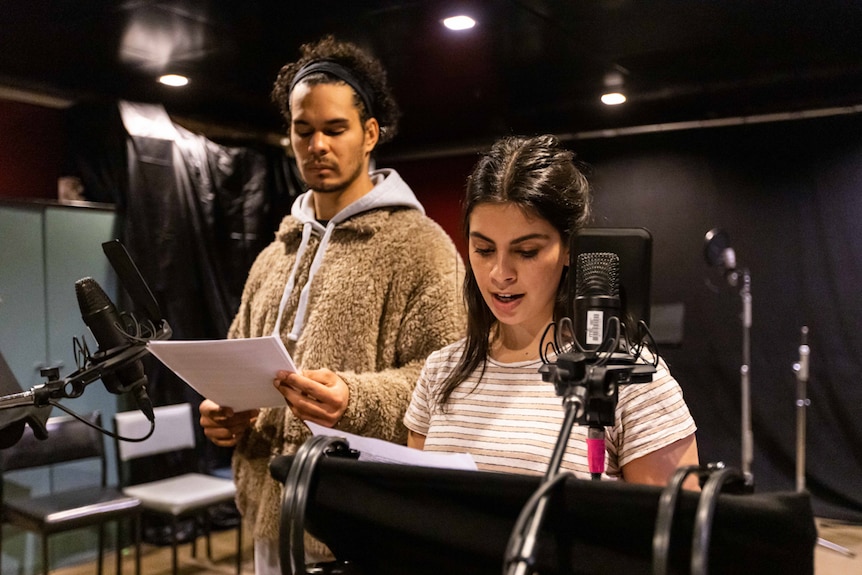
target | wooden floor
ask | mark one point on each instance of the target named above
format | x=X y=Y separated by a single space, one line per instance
x=847 y=537
x=157 y=560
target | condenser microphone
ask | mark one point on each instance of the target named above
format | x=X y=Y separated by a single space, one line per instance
x=718 y=252
x=597 y=297
x=101 y=316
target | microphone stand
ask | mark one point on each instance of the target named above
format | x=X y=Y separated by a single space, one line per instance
x=745 y=381
x=802 y=403
x=525 y=545
x=718 y=252
x=73 y=386
x=94 y=367
x=590 y=394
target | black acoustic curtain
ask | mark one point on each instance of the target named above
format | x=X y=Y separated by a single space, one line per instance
x=790 y=197
x=192 y=213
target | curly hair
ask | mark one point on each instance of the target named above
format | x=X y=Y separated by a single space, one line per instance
x=361 y=63
x=542 y=178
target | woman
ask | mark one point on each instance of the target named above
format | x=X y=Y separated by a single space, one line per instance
x=484 y=395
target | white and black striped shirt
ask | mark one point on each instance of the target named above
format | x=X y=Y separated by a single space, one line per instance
x=509 y=421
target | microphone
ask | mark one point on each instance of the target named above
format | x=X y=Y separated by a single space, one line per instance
x=101 y=316
x=717 y=251
x=597 y=297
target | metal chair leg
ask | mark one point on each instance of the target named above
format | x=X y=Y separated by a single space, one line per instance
x=45 y=554
x=239 y=548
x=118 y=546
x=137 y=527
x=208 y=533
x=174 y=559
x=101 y=548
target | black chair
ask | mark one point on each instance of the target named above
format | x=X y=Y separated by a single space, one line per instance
x=68 y=440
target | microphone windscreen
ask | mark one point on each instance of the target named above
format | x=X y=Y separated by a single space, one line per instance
x=598 y=274
x=91 y=296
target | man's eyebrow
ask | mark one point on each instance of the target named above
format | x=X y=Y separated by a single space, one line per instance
x=332 y=122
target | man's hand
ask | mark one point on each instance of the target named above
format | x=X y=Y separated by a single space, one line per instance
x=317 y=395
x=222 y=426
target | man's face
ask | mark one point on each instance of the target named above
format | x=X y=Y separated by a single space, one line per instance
x=332 y=146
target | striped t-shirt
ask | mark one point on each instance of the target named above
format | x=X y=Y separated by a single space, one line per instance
x=510 y=420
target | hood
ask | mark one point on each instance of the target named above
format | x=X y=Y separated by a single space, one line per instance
x=389 y=191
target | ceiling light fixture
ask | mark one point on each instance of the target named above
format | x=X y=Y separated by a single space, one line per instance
x=174 y=80
x=613 y=98
x=459 y=22
x=614 y=81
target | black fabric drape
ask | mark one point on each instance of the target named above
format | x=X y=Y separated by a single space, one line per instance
x=193 y=215
x=788 y=194
x=198 y=214
x=396 y=519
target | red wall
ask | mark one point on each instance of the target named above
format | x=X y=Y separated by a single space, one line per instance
x=32 y=150
x=439 y=184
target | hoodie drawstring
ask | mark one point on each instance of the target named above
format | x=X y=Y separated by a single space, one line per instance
x=299 y=321
x=291 y=280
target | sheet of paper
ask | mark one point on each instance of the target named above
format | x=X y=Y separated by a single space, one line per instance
x=371 y=449
x=235 y=373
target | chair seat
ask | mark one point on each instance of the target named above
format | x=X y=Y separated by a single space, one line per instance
x=182 y=494
x=70 y=509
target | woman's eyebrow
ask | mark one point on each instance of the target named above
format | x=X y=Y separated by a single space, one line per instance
x=515 y=241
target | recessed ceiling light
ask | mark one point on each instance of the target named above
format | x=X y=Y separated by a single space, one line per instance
x=613 y=98
x=173 y=80
x=459 y=22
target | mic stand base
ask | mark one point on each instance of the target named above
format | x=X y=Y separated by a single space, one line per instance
x=802 y=402
x=835 y=547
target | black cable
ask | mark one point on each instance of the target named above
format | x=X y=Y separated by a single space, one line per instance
x=103 y=430
x=513 y=547
x=664 y=518
x=609 y=345
x=543 y=345
x=566 y=327
x=288 y=505
x=704 y=516
x=297 y=487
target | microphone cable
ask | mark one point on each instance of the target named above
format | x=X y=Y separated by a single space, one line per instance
x=515 y=545
x=103 y=430
x=704 y=516
x=664 y=519
x=297 y=487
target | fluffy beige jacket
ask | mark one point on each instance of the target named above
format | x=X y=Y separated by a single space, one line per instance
x=386 y=295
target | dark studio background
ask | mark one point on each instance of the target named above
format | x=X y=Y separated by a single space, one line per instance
x=786 y=187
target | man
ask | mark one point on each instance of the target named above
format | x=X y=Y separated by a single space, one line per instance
x=359 y=283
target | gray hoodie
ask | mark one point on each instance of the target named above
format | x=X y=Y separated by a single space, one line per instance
x=389 y=191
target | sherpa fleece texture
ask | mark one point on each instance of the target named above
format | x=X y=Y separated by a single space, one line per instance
x=385 y=297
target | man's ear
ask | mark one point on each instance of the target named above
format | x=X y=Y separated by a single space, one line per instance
x=372 y=134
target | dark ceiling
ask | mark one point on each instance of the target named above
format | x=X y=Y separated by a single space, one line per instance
x=529 y=66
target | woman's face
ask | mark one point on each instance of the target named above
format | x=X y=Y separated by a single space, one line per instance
x=518 y=260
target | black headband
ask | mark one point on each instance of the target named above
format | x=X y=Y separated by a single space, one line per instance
x=342 y=73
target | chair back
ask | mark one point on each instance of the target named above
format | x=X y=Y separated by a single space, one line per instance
x=68 y=440
x=13 y=420
x=174 y=431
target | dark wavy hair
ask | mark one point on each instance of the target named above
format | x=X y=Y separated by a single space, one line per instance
x=361 y=63
x=541 y=177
